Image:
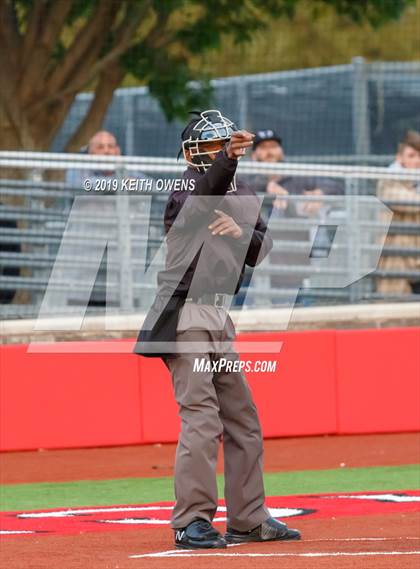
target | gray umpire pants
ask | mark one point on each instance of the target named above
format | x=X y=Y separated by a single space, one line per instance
x=212 y=404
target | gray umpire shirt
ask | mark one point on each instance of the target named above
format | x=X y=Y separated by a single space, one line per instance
x=198 y=262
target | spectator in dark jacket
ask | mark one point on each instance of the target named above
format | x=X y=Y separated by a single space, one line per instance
x=268 y=147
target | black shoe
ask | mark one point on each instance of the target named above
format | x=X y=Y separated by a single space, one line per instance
x=199 y=534
x=270 y=530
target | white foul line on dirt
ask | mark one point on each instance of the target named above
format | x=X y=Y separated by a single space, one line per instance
x=173 y=552
x=177 y=553
x=361 y=539
x=14 y=532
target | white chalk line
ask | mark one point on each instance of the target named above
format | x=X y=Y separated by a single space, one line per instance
x=361 y=539
x=176 y=553
x=397 y=498
x=14 y=532
x=84 y=511
x=190 y=553
x=69 y=512
x=184 y=551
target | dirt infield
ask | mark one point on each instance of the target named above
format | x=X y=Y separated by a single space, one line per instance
x=304 y=453
x=370 y=541
x=380 y=542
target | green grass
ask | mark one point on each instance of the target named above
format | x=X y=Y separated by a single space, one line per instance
x=140 y=490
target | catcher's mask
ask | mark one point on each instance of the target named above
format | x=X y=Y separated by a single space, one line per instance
x=209 y=126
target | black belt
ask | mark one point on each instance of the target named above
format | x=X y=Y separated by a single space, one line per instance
x=217 y=299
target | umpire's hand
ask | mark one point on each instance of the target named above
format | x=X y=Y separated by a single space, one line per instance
x=225 y=225
x=238 y=143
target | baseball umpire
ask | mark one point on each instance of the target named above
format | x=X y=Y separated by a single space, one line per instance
x=213 y=231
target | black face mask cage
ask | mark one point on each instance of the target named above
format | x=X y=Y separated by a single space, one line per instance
x=211 y=126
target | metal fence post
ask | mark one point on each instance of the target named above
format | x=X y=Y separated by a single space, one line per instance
x=353 y=249
x=361 y=119
x=128 y=102
x=242 y=94
x=35 y=175
x=124 y=248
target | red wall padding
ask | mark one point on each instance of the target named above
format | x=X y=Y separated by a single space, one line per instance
x=67 y=400
x=158 y=408
x=346 y=381
x=300 y=397
x=378 y=380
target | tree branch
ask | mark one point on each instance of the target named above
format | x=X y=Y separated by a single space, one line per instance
x=124 y=37
x=108 y=82
x=156 y=33
x=37 y=65
x=50 y=120
x=37 y=15
x=10 y=31
x=9 y=52
x=56 y=17
x=89 y=38
x=13 y=112
x=89 y=69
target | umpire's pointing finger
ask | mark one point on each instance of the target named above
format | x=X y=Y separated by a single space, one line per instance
x=242 y=134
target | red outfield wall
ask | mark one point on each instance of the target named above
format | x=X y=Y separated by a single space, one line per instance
x=345 y=381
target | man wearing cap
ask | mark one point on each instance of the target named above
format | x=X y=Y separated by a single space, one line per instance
x=213 y=231
x=268 y=147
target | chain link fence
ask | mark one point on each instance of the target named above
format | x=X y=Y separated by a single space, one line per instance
x=351 y=113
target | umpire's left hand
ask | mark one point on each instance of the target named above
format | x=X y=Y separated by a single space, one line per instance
x=225 y=225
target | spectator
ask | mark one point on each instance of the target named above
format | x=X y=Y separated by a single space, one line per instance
x=408 y=156
x=102 y=143
x=268 y=147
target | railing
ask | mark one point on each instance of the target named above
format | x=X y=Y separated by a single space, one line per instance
x=310 y=259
